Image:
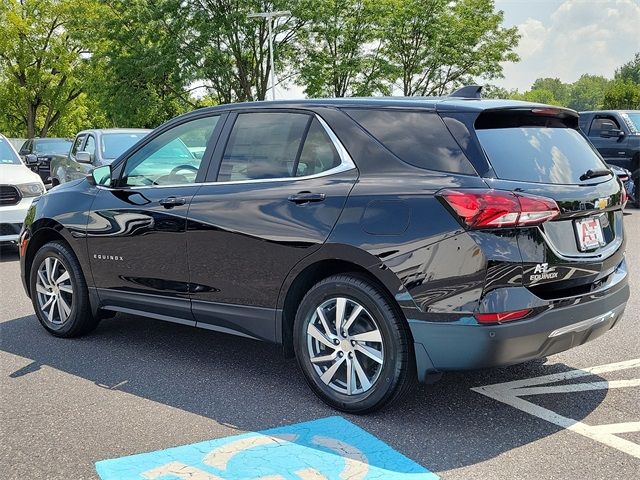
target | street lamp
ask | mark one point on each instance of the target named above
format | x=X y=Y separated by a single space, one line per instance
x=269 y=16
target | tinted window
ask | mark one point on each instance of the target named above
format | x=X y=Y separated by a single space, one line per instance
x=418 y=138
x=115 y=144
x=263 y=145
x=167 y=160
x=539 y=154
x=603 y=124
x=632 y=120
x=7 y=155
x=53 y=147
x=318 y=153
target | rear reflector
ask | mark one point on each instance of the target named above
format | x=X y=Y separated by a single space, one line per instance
x=500 y=317
x=487 y=208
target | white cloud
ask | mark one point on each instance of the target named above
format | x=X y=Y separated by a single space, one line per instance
x=579 y=37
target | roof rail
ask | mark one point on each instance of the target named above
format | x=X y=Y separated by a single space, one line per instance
x=470 y=91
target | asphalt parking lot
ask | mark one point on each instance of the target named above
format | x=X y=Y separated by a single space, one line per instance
x=138 y=385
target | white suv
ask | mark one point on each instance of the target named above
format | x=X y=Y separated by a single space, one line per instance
x=18 y=187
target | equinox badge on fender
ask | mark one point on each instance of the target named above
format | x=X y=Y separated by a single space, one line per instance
x=117 y=258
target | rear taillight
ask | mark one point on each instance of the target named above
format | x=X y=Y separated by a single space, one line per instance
x=500 y=317
x=624 y=196
x=486 y=208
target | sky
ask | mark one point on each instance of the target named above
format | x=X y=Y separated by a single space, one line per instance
x=561 y=39
x=567 y=38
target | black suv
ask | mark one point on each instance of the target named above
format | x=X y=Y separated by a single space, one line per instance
x=375 y=239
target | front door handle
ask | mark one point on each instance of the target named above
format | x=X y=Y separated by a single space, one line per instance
x=171 y=202
x=306 y=197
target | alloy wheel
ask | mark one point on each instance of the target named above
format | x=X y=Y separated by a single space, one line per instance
x=54 y=291
x=345 y=346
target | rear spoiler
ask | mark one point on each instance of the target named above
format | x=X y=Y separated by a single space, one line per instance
x=470 y=91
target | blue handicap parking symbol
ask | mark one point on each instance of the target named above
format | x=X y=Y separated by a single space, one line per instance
x=325 y=449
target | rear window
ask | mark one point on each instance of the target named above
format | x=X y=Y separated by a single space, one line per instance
x=52 y=147
x=115 y=144
x=539 y=151
x=418 y=138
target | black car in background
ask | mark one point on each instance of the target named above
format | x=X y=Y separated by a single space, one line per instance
x=616 y=135
x=377 y=240
x=38 y=152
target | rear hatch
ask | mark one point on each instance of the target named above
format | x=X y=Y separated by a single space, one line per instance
x=540 y=151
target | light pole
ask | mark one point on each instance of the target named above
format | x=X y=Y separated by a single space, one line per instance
x=269 y=16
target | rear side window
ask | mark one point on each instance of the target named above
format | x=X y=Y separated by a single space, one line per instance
x=276 y=145
x=418 y=138
x=536 y=149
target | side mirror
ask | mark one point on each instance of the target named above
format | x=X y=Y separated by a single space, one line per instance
x=613 y=133
x=100 y=176
x=83 y=157
x=31 y=159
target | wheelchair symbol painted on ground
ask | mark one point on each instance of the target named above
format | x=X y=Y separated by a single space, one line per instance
x=326 y=449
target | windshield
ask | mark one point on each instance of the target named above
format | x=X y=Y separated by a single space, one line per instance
x=633 y=121
x=7 y=155
x=539 y=154
x=115 y=144
x=52 y=147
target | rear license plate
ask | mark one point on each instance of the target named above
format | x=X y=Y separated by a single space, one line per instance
x=589 y=233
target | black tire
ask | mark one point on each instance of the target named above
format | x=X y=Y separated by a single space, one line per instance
x=80 y=320
x=396 y=375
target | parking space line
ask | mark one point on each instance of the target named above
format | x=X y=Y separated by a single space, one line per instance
x=510 y=393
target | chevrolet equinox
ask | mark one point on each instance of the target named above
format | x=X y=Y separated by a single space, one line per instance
x=377 y=240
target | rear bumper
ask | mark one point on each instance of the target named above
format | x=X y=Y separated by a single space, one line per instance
x=459 y=346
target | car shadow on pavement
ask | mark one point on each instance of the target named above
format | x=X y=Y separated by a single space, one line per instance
x=249 y=385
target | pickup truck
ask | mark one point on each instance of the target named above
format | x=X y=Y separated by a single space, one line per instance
x=93 y=148
x=616 y=135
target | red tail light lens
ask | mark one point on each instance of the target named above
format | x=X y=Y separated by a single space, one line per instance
x=624 y=196
x=480 y=208
x=502 y=316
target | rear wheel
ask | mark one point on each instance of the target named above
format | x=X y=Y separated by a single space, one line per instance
x=352 y=345
x=59 y=292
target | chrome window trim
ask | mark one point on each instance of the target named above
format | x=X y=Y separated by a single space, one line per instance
x=346 y=164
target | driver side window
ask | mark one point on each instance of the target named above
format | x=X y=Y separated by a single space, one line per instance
x=172 y=158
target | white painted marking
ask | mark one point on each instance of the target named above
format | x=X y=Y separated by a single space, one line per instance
x=220 y=457
x=356 y=465
x=180 y=470
x=510 y=393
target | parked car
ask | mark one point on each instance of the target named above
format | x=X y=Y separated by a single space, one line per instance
x=630 y=186
x=377 y=240
x=18 y=187
x=93 y=148
x=37 y=153
x=616 y=135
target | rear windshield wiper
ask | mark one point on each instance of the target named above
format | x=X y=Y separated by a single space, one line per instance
x=595 y=173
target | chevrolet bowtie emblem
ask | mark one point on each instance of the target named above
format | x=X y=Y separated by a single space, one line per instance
x=602 y=203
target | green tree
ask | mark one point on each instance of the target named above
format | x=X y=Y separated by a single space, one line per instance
x=560 y=91
x=622 y=95
x=41 y=62
x=231 y=51
x=435 y=46
x=340 y=48
x=630 y=71
x=587 y=93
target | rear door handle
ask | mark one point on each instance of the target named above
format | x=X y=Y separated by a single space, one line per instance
x=306 y=197
x=171 y=202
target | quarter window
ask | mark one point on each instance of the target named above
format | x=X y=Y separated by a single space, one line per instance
x=76 y=144
x=418 y=138
x=172 y=158
x=90 y=146
x=318 y=153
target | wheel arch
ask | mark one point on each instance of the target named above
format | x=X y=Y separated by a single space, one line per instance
x=332 y=260
x=43 y=232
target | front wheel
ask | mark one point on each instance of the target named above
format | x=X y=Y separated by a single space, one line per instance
x=59 y=292
x=352 y=345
